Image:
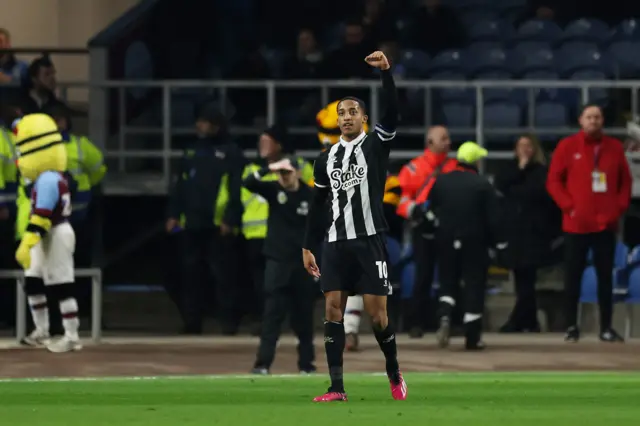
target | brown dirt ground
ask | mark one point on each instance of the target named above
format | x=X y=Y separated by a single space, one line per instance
x=137 y=356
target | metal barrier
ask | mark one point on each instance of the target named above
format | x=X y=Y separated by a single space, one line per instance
x=21 y=300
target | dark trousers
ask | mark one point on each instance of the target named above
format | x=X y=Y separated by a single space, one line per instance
x=7 y=262
x=424 y=254
x=288 y=289
x=525 y=311
x=255 y=274
x=466 y=261
x=207 y=251
x=577 y=247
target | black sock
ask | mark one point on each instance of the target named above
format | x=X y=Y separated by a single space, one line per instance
x=387 y=340
x=334 y=341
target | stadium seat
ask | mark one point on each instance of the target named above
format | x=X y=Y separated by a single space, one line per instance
x=579 y=56
x=458 y=115
x=416 y=63
x=483 y=45
x=627 y=30
x=492 y=30
x=451 y=93
x=394 y=251
x=407 y=281
x=470 y=15
x=275 y=60
x=448 y=61
x=545 y=93
x=625 y=56
x=487 y=60
x=538 y=30
x=501 y=115
x=551 y=114
x=502 y=93
x=599 y=96
x=586 y=30
x=529 y=57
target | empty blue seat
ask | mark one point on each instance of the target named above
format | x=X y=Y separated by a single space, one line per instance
x=483 y=45
x=451 y=93
x=528 y=58
x=394 y=251
x=416 y=63
x=499 y=93
x=487 y=60
x=589 y=30
x=448 y=61
x=574 y=57
x=544 y=93
x=407 y=280
x=538 y=30
x=550 y=115
x=596 y=95
x=458 y=114
x=493 y=30
x=627 y=30
x=625 y=56
x=469 y=16
x=633 y=286
x=501 y=115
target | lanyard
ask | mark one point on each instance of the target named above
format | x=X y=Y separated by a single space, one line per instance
x=597 y=149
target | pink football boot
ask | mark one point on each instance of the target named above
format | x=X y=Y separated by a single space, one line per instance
x=399 y=391
x=331 y=396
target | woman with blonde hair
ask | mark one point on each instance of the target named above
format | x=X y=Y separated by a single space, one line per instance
x=527 y=210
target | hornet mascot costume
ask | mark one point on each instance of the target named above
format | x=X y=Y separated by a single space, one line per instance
x=329 y=134
x=46 y=249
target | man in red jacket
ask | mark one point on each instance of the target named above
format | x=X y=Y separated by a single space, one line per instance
x=589 y=180
x=416 y=180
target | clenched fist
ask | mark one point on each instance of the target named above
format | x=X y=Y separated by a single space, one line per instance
x=378 y=60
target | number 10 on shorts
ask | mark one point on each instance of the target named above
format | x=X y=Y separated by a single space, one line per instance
x=383 y=274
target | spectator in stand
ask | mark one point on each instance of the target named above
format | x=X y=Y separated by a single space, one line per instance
x=589 y=180
x=378 y=23
x=527 y=217
x=40 y=91
x=11 y=69
x=308 y=59
x=436 y=27
x=350 y=55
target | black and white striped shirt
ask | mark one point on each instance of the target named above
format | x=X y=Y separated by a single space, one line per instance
x=355 y=173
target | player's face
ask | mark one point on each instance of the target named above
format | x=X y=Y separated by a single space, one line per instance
x=350 y=119
x=591 y=120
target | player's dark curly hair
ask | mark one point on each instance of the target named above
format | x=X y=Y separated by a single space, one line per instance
x=360 y=102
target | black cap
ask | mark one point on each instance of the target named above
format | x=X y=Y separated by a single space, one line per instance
x=279 y=133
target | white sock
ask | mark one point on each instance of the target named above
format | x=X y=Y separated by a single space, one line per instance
x=70 y=321
x=39 y=312
x=353 y=314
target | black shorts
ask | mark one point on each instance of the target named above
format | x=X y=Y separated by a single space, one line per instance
x=357 y=266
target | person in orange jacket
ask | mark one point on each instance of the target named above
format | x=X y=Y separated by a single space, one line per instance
x=589 y=180
x=416 y=180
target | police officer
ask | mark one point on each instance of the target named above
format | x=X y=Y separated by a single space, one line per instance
x=205 y=212
x=8 y=195
x=272 y=147
x=287 y=286
x=467 y=225
x=85 y=165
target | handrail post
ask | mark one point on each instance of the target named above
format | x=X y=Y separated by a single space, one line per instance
x=480 y=121
x=96 y=307
x=122 y=123
x=166 y=133
x=21 y=309
x=271 y=103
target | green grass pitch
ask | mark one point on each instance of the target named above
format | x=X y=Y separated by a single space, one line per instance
x=497 y=399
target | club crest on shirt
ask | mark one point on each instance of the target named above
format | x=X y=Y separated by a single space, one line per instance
x=353 y=176
x=282 y=197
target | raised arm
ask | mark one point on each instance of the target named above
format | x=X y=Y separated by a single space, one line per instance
x=386 y=127
x=254 y=183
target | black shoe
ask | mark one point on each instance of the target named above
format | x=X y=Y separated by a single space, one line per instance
x=261 y=371
x=611 y=336
x=308 y=369
x=477 y=345
x=416 y=333
x=572 y=335
x=444 y=332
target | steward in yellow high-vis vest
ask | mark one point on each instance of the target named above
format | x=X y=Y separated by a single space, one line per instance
x=273 y=145
x=85 y=163
x=204 y=210
x=8 y=175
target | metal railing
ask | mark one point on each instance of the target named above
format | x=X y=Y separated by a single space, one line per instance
x=166 y=131
x=21 y=300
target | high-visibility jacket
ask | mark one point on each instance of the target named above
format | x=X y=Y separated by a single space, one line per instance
x=23 y=204
x=86 y=165
x=256 y=208
x=8 y=171
x=417 y=178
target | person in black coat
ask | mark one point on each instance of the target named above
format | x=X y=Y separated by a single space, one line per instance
x=529 y=227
